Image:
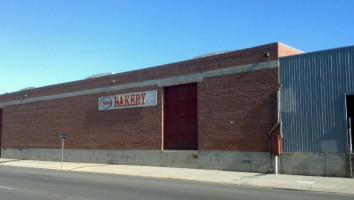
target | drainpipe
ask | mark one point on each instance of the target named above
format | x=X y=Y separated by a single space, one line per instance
x=350 y=166
x=274 y=127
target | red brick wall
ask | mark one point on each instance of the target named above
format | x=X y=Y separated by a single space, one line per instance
x=287 y=51
x=236 y=112
x=246 y=99
x=38 y=125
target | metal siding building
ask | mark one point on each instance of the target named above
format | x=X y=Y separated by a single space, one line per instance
x=313 y=100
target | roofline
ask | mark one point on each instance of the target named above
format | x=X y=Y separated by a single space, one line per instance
x=291 y=47
x=319 y=51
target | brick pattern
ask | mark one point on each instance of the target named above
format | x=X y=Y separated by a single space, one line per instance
x=38 y=125
x=235 y=112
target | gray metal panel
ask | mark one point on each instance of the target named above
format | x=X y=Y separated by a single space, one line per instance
x=313 y=109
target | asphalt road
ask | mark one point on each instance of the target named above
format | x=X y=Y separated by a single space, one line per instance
x=38 y=184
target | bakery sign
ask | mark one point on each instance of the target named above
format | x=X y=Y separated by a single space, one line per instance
x=130 y=100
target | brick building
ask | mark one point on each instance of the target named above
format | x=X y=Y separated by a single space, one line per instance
x=213 y=112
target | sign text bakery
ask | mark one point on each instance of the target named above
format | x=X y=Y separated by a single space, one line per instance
x=130 y=100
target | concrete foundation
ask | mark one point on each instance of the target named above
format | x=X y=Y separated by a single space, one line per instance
x=312 y=164
x=315 y=164
x=260 y=162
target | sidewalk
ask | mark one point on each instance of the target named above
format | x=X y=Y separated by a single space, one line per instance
x=293 y=182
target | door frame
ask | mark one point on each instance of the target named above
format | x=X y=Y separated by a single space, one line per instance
x=164 y=126
x=349 y=135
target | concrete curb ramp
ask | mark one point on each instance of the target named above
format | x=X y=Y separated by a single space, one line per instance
x=292 y=182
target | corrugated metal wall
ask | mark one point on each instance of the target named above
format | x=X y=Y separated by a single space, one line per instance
x=313 y=107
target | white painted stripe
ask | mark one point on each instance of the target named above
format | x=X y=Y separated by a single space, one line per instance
x=163 y=82
x=306 y=182
x=8 y=188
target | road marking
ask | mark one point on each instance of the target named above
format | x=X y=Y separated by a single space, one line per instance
x=9 y=188
x=306 y=182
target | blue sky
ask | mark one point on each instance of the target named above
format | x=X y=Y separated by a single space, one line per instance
x=45 y=42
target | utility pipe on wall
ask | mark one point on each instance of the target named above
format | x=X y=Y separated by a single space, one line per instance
x=62 y=137
x=276 y=164
x=274 y=127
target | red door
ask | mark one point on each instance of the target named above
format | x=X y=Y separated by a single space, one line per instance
x=181 y=125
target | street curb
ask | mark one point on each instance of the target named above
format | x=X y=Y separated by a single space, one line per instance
x=246 y=180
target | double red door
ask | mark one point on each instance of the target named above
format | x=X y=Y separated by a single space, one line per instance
x=181 y=120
